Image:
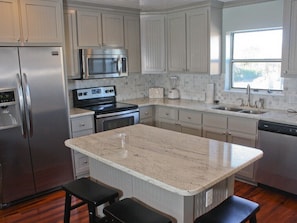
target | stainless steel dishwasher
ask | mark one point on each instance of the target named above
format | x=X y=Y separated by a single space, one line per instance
x=278 y=167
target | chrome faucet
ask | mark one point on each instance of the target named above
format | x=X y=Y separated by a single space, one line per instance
x=248 y=91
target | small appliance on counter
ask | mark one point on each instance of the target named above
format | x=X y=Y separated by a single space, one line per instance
x=156 y=92
x=173 y=93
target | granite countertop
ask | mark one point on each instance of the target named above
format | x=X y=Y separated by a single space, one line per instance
x=78 y=112
x=181 y=163
x=269 y=115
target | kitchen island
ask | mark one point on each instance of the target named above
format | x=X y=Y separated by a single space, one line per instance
x=168 y=170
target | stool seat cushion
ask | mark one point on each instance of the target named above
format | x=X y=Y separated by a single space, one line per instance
x=233 y=210
x=90 y=192
x=130 y=211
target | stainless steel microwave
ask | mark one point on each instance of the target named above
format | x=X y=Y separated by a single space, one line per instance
x=103 y=63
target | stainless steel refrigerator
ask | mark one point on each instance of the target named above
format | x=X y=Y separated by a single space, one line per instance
x=33 y=158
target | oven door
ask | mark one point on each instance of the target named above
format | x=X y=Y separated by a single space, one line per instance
x=113 y=121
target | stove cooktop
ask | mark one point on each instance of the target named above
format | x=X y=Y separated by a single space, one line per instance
x=110 y=108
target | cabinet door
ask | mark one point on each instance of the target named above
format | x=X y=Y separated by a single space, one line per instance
x=289 y=65
x=132 y=42
x=215 y=133
x=89 y=29
x=71 y=51
x=42 y=21
x=113 y=30
x=176 y=25
x=197 y=41
x=153 y=56
x=9 y=21
x=146 y=115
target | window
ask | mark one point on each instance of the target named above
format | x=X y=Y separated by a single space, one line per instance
x=256 y=59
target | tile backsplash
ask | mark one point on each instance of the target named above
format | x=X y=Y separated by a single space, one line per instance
x=191 y=86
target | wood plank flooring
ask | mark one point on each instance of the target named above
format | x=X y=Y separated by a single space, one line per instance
x=276 y=207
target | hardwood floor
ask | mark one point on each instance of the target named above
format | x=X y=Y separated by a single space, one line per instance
x=276 y=207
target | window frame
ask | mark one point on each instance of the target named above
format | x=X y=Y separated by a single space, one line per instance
x=230 y=60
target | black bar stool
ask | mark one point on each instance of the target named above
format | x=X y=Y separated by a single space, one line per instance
x=90 y=193
x=233 y=210
x=130 y=211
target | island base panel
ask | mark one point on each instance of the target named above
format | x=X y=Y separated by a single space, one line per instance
x=184 y=209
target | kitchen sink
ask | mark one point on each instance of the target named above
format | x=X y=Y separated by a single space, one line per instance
x=256 y=112
x=227 y=108
x=240 y=110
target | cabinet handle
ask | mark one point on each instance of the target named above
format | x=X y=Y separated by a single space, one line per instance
x=146 y=113
x=82 y=124
x=285 y=72
x=167 y=114
x=189 y=118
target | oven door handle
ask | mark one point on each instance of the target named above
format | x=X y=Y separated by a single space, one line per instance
x=117 y=113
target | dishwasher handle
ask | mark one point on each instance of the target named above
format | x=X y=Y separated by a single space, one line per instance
x=277 y=128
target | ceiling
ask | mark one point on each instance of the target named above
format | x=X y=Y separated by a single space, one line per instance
x=146 y=5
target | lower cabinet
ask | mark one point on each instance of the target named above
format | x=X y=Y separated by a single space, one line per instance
x=237 y=130
x=180 y=120
x=80 y=126
x=146 y=115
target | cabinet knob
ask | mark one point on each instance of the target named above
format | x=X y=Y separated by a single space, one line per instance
x=82 y=124
x=146 y=113
x=189 y=118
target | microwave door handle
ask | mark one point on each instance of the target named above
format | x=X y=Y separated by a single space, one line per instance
x=120 y=65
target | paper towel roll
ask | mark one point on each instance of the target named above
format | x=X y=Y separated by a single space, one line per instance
x=210 y=93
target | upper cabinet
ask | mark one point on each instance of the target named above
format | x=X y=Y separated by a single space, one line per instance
x=89 y=29
x=132 y=42
x=194 y=40
x=31 y=22
x=289 y=57
x=153 y=49
x=176 y=40
x=113 y=30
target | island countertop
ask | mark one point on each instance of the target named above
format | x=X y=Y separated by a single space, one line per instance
x=180 y=163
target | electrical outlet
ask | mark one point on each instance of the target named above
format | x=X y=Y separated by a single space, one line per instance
x=208 y=197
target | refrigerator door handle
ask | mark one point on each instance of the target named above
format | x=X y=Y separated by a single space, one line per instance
x=22 y=106
x=28 y=105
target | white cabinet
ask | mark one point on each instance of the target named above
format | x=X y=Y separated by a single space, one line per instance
x=71 y=50
x=167 y=118
x=194 y=40
x=89 y=28
x=176 y=40
x=80 y=126
x=31 y=22
x=153 y=49
x=237 y=130
x=190 y=121
x=132 y=42
x=180 y=120
x=146 y=114
x=113 y=30
x=289 y=53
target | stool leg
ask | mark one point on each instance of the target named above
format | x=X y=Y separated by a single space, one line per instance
x=253 y=219
x=92 y=213
x=67 y=208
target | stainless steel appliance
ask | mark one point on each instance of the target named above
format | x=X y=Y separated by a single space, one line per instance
x=33 y=158
x=103 y=63
x=278 y=167
x=109 y=114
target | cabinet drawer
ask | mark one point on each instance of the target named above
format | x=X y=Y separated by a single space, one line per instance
x=218 y=121
x=168 y=113
x=189 y=116
x=82 y=123
x=146 y=112
x=245 y=125
x=81 y=163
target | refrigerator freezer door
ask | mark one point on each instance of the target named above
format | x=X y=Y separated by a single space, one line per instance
x=51 y=160
x=16 y=179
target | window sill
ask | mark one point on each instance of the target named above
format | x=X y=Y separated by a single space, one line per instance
x=256 y=92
